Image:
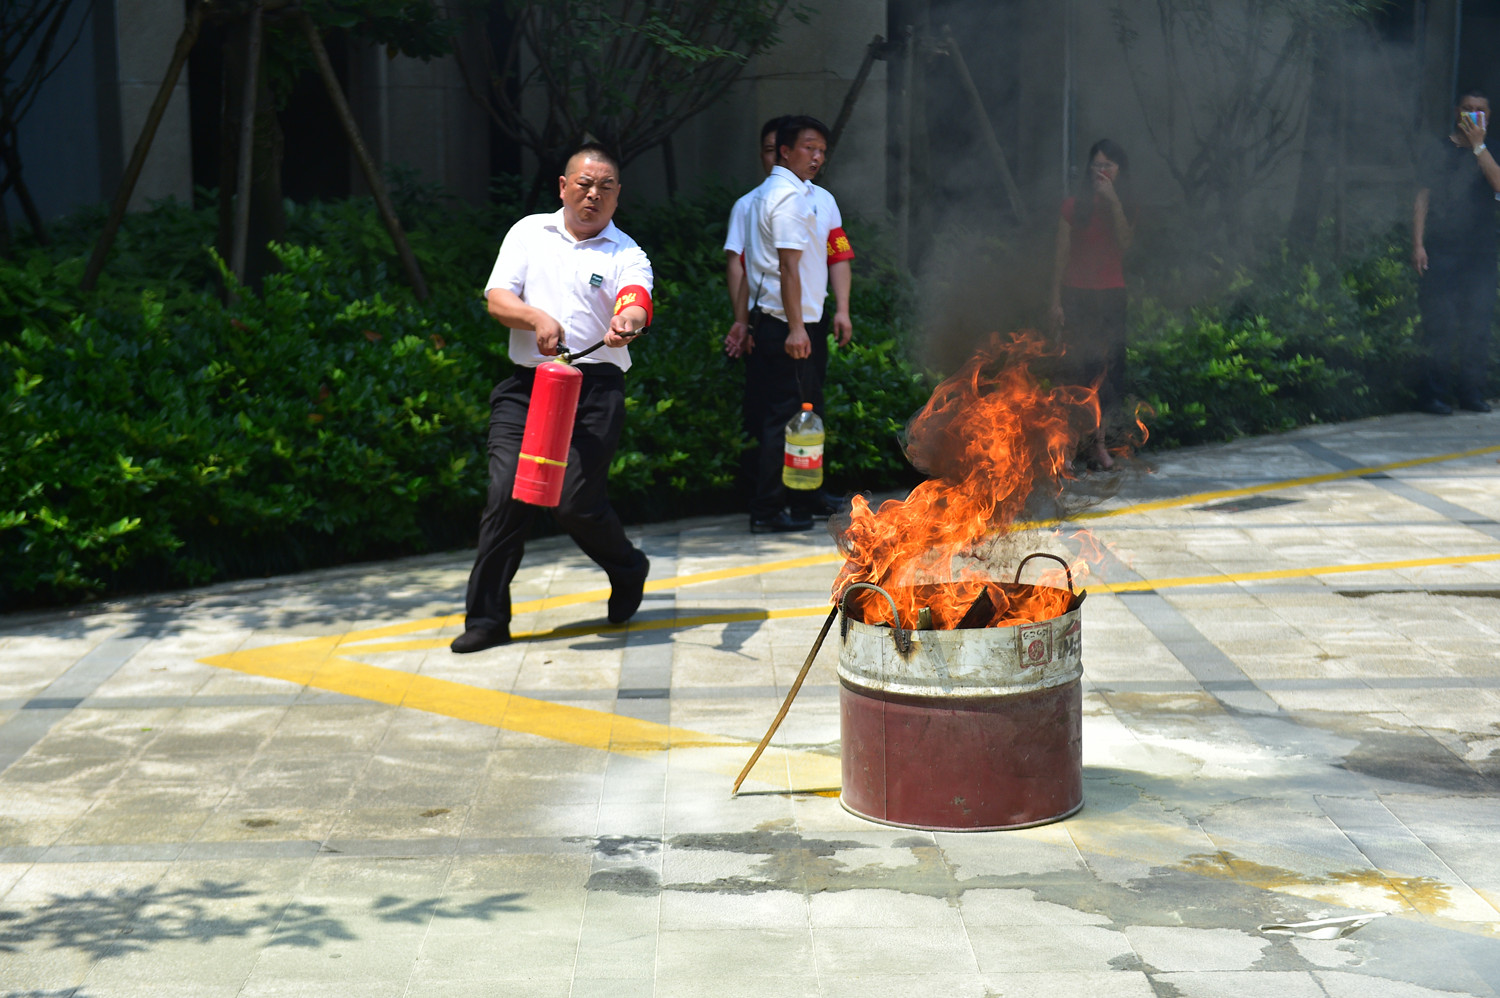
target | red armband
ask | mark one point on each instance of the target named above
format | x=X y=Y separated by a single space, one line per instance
x=838 y=246
x=633 y=294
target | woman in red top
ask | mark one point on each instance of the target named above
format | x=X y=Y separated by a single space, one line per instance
x=1088 y=284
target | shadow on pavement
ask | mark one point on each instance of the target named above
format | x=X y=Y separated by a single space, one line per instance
x=112 y=924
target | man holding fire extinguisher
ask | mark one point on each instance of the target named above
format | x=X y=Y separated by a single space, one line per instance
x=563 y=281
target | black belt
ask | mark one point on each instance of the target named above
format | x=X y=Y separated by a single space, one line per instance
x=600 y=370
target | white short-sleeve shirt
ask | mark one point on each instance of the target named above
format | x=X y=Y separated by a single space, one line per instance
x=827 y=210
x=824 y=206
x=573 y=280
x=739 y=223
x=783 y=216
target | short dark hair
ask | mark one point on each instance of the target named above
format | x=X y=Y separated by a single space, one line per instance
x=1472 y=92
x=773 y=125
x=593 y=150
x=794 y=125
x=1083 y=204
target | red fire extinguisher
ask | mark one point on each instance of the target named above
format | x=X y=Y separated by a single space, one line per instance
x=549 y=426
x=549 y=432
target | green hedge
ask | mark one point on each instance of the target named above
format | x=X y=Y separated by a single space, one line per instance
x=152 y=436
x=158 y=437
x=1290 y=343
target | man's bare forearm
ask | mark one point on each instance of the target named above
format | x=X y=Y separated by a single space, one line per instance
x=509 y=310
x=791 y=295
x=734 y=276
x=742 y=302
x=840 y=278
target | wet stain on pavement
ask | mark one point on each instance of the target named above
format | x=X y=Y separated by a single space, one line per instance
x=1424 y=894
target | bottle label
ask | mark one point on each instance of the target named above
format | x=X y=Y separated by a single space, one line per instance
x=804 y=458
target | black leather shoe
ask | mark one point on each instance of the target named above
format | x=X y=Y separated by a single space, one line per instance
x=1435 y=407
x=480 y=638
x=781 y=523
x=625 y=593
x=1475 y=404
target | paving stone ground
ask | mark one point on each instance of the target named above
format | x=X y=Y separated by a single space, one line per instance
x=291 y=787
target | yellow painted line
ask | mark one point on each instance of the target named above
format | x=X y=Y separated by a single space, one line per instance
x=1289 y=483
x=587 y=630
x=1294 y=573
x=1196 y=499
x=834 y=558
x=559 y=722
x=703 y=620
x=598 y=595
x=317 y=662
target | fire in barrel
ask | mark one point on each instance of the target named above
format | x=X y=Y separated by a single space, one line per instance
x=960 y=697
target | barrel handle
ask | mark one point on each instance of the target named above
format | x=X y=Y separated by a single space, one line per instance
x=1043 y=554
x=899 y=634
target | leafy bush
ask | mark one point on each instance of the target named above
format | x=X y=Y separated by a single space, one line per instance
x=1291 y=343
x=151 y=435
x=161 y=437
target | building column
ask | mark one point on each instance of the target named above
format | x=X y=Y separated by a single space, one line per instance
x=145 y=36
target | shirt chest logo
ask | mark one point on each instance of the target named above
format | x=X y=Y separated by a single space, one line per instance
x=596 y=280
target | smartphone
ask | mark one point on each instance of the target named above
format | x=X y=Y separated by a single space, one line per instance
x=1476 y=118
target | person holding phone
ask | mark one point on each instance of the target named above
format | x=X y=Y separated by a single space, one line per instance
x=1088 y=285
x=1454 y=252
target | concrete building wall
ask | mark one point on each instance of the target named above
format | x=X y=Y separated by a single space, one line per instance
x=59 y=139
x=147 y=32
x=419 y=115
x=810 y=72
x=1073 y=84
x=1124 y=95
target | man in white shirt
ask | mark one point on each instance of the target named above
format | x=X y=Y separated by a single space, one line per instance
x=734 y=238
x=795 y=249
x=564 y=280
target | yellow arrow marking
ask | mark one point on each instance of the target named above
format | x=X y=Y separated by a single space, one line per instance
x=314 y=662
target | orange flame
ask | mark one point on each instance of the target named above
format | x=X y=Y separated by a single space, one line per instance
x=992 y=437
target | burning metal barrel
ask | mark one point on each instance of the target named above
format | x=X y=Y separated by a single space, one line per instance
x=970 y=723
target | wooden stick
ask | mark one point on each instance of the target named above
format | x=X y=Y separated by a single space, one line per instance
x=185 y=43
x=787 y=704
x=986 y=127
x=366 y=164
x=251 y=81
x=875 y=50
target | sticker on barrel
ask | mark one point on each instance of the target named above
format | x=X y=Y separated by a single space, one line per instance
x=1036 y=645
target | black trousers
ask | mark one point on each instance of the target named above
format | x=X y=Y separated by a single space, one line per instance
x=1094 y=335
x=1457 y=299
x=584 y=512
x=776 y=385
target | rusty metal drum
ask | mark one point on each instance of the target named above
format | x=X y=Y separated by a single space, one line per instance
x=969 y=729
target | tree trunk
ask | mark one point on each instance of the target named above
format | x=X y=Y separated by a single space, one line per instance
x=12 y=158
x=4 y=225
x=267 y=221
x=267 y=210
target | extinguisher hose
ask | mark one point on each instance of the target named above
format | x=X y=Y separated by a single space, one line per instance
x=568 y=356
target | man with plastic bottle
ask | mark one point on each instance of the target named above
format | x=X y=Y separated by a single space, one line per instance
x=570 y=279
x=795 y=249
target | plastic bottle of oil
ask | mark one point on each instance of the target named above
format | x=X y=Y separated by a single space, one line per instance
x=803 y=468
